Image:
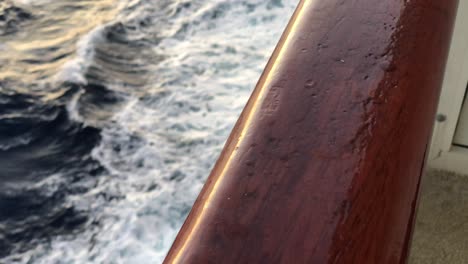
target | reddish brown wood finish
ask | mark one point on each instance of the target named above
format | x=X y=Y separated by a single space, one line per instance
x=325 y=162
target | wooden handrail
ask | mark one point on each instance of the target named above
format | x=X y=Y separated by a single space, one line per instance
x=325 y=162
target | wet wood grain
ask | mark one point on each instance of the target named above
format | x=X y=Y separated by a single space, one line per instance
x=325 y=162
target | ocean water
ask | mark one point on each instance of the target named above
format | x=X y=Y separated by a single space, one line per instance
x=112 y=114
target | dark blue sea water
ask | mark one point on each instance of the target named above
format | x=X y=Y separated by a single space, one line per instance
x=112 y=114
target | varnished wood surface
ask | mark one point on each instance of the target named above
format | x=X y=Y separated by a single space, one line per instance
x=325 y=162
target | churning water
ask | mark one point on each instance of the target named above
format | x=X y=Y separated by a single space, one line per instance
x=112 y=114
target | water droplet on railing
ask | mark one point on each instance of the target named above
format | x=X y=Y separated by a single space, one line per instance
x=310 y=84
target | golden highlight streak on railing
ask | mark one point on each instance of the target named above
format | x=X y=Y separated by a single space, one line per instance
x=277 y=55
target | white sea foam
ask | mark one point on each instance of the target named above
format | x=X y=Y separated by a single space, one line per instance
x=73 y=70
x=160 y=147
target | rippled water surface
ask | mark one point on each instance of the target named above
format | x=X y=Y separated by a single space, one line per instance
x=112 y=114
